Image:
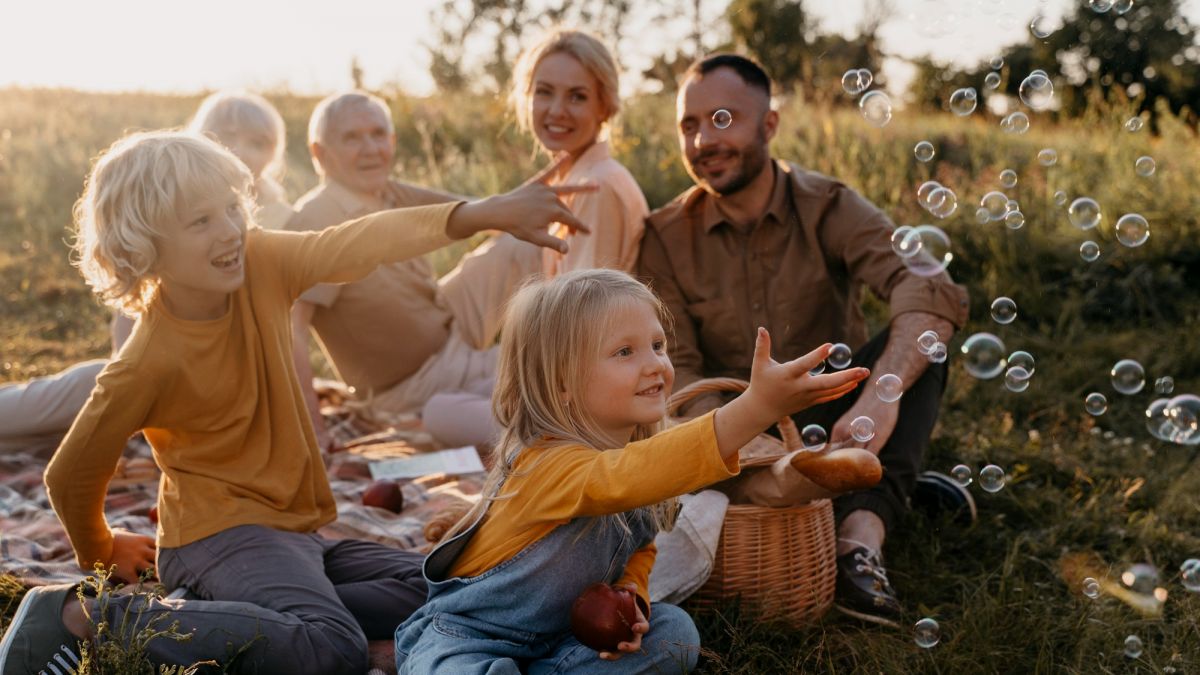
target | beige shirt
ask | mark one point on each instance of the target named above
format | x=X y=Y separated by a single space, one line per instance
x=799 y=272
x=379 y=330
x=616 y=213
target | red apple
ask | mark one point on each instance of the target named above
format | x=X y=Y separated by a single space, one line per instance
x=603 y=616
x=384 y=494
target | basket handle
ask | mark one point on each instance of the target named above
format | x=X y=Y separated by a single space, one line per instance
x=787 y=428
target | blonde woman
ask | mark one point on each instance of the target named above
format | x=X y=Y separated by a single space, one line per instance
x=565 y=92
x=253 y=130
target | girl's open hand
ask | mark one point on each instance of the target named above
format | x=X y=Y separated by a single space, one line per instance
x=640 y=628
x=786 y=388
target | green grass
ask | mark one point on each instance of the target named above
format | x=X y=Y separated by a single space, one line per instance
x=1005 y=591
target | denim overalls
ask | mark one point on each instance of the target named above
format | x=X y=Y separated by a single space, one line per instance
x=515 y=617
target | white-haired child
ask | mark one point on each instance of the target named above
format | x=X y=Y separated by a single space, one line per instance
x=253 y=130
x=582 y=478
x=164 y=232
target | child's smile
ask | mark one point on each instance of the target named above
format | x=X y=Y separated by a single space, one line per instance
x=201 y=257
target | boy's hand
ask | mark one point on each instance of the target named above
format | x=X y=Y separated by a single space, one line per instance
x=640 y=628
x=787 y=388
x=526 y=212
x=133 y=554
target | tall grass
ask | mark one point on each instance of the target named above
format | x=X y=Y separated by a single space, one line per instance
x=1078 y=486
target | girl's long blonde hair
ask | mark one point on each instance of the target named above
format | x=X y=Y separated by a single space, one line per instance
x=585 y=48
x=552 y=331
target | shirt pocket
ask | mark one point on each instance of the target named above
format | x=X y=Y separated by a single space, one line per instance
x=720 y=328
x=468 y=628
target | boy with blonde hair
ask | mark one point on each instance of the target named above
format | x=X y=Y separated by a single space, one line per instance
x=207 y=376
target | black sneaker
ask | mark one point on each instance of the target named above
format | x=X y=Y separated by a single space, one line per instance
x=863 y=590
x=936 y=493
x=36 y=640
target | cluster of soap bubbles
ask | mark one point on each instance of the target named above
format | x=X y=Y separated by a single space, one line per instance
x=875 y=106
x=1019 y=371
x=1175 y=420
x=924 y=249
x=991 y=477
x=931 y=345
x=1015 y=123
x=939 y=200
x=1117 y=6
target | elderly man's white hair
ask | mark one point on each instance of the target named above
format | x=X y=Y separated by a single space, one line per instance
x=331 y=106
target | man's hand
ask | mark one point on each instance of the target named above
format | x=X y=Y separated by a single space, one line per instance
x=132 y=554
x=868 y=404
x=526 y=212
x=639 y=628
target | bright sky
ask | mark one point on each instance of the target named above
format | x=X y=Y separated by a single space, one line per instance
x=308 y=45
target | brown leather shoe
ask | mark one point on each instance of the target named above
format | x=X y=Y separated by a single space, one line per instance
x=863 y=590
x=840 y=470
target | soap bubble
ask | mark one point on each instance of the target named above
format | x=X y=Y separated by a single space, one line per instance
x=1158 y=423
x=1141 y=577
x=942 y=203
x=876 y=108
x=1184 y=413
x=992 y=478
x=1008 y=178
x=1048 y=157
x=722 y=119
x=963 y=101
x=817 y=369
x=1040 y=27
x=991 y=81
x=924 y=192
x=996 y=62
x=1122 y=6
x=856 y=81
x=1189 y=573
x=1164 y=385
x=1095 y=403
x=1089 y=250
x=839 y=355
x=1015 y=220
x=924 y=151
x=1022 y=359
x=926 y=633
x=1084 y=213
x=1004 y=310
x=1128 y=377
x=1091 y=588
x=983 y=355
x=1145 y=166
x=933 y=255
x=1132 y=230
x=862 y=428
x=1016 y=379
x=1037 y=91
x=961 y=474
x=903 y=246
x=939 y=354
x=982 y=216
x=1133 y=643
x=889 y=388
x=1015 y=123
x=1134 y=124
x=1011 y=205
x=1060 y=197
x=996 y=204
x=1100 y=6
x=926 y=341
x=813 y=437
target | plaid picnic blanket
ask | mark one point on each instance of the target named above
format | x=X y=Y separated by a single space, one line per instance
x=34 y=547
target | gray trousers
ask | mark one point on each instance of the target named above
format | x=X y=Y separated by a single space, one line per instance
x=279 y=602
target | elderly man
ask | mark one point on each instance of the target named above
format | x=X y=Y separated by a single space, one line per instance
x=399 y=337
x=761 y=242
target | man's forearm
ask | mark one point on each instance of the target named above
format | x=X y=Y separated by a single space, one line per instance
x=900 y=356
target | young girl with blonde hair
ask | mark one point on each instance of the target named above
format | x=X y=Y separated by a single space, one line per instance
x=583 y=476
x=566 y=93
x=253 y=130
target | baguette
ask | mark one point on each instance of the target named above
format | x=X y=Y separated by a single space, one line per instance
x=841 y=470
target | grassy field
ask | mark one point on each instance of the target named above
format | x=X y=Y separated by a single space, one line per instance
x=1083 y=493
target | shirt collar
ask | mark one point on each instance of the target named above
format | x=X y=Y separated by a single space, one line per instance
x=777 y=205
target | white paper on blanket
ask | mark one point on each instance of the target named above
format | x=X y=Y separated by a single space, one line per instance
x=452 y=461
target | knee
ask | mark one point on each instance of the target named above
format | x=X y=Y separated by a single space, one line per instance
x=674 y=635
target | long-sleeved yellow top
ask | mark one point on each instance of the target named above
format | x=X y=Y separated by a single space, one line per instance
x=549 y=487
x=219 y=401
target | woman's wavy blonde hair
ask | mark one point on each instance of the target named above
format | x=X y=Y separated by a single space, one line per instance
x=584 y=48
x=553 y=330
x=248 y=112
x=136 y=187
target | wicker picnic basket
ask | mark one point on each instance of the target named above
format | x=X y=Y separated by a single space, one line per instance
x=779 y=561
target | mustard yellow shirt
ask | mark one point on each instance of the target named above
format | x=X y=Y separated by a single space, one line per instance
x=219 y=401
x=551 y=486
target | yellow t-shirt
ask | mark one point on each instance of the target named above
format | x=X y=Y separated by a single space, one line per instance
x=578 y=481
x=219 y=401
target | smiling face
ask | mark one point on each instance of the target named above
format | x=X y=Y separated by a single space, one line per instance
x=723 y=161
x=358 y=148
x=629 y=380
x=564 y=105
x=201 y=256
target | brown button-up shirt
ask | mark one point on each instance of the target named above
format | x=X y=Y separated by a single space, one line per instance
x=799 y=272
